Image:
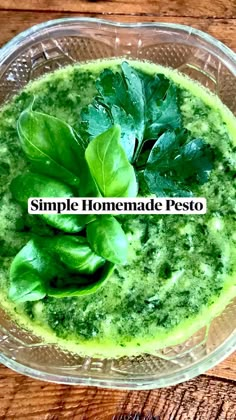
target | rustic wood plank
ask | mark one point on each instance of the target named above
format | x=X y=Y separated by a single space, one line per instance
x=202 y=8
x=223 y=29
x=226 y=369
x=201 y=399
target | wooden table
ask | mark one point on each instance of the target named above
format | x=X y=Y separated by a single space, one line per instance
x=209 y=397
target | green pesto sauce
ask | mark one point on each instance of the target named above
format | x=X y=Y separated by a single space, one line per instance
x=181 y=269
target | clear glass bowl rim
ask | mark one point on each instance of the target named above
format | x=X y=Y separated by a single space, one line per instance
x=229 y=345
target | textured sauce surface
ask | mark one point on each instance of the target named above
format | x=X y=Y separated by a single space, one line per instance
x=180 y=268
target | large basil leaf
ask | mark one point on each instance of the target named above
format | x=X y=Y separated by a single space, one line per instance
x=34 y=185
x=87 y=186
x=36 y=272
x=76 y=254
x=108 y=239
x=26 y=285
x=29 y=271
x=109 y=166
x=51 y=145
x=79 y=285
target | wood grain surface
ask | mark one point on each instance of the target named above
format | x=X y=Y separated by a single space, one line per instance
x=13 y=22
x=209 y=397
x=196 y=8
x=204 y=398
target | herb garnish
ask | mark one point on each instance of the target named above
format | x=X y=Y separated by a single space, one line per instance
x=61 y=266
x=109 y=166
x=51 y=145
x=174 y=164
x=134 y=118
x=120 y=101
x=106 y=245
x=143 y=106
x=31 y=184
x=108 y=239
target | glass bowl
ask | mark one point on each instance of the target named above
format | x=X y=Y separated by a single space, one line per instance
x=57 y=43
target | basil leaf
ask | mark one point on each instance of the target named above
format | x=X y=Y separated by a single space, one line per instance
x=51 y=145
x=76 y=254
x=80 y=285
x=108 y=239
x=34 y=185
x=109 y=166
x=174 y=164
x=29 y=270
x=87 y=186
x=35 y=273
x=26 y=285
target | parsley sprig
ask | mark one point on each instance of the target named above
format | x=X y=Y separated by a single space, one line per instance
x=147 y=108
